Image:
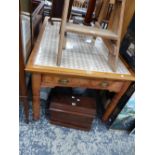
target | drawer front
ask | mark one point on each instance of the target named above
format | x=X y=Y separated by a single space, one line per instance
x=65 y=81
x=107 y=85
x=52 y=81
x=70 y=118
x=72 y=121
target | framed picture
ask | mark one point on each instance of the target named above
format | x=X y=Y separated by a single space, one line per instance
x=127 y=49
x=126 y=118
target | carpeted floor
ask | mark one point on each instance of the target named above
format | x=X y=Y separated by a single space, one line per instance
x=42 y=138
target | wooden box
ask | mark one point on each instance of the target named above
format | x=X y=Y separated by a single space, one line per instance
x=72 y=111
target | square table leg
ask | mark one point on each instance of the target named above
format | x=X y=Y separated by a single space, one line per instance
x=115 y=100
x=36 y=81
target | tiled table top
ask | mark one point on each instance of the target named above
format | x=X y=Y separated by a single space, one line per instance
x=81 y=53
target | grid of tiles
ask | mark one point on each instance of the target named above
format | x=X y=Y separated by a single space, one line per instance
x=81 y=52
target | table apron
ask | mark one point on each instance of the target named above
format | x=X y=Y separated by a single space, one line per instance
x=68 y=81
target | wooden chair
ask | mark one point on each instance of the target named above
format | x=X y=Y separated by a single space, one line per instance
x=79 y=3
x=103 y=11
x=111 y=36
x=57 y=9
x=90 y=10
x=79 y=8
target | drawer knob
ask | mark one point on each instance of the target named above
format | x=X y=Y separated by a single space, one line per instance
x=104 y=84
x=63 y=81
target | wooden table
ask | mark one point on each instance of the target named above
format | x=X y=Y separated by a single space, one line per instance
x=84 y=64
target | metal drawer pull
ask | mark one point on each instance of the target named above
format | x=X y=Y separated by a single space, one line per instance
x=63 y=81
x=104 y=84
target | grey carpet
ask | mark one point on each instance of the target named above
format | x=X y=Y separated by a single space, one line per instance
x=42 y=138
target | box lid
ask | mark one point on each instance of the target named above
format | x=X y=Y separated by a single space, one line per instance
x=74 y=104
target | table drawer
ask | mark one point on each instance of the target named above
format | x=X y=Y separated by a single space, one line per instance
x=107 y=84
x=50 y=80
x=65 y=81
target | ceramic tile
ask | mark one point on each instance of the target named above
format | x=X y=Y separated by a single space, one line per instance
x=82 y=52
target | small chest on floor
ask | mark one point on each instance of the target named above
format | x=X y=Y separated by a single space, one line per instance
x=72 y=111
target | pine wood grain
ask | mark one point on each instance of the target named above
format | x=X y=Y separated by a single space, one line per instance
x=91 y=31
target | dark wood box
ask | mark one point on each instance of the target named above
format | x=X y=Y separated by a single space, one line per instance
x=72 y=111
